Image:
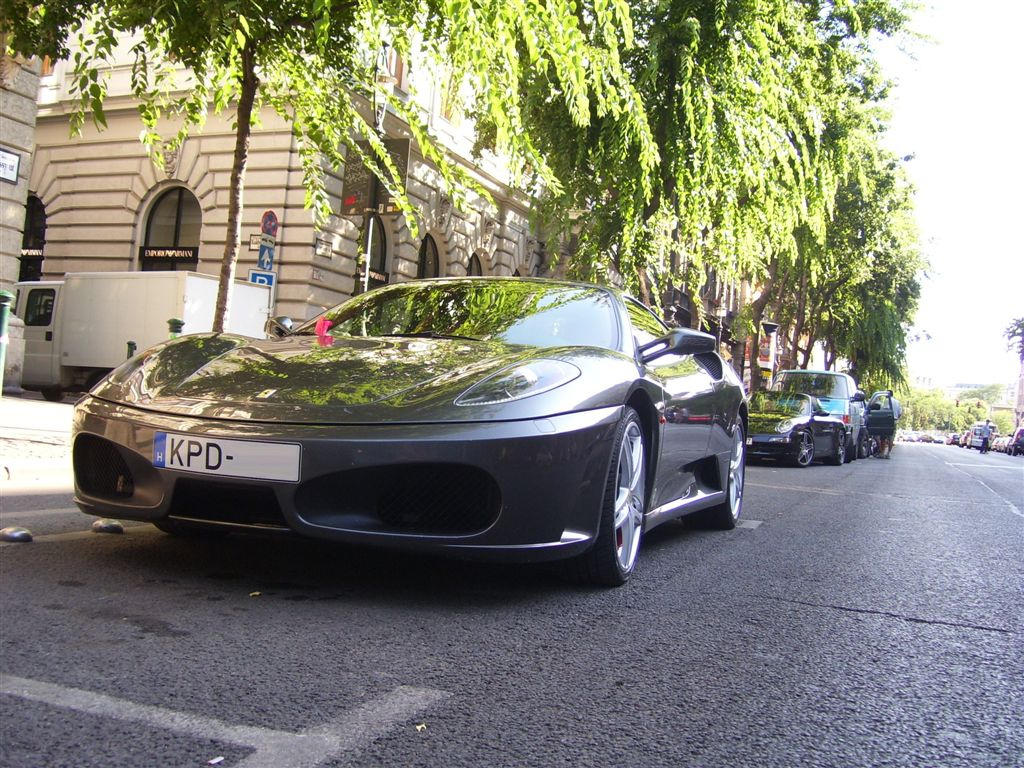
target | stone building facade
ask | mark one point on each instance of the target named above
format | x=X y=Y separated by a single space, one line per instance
x=19 y=83
x=105 y=206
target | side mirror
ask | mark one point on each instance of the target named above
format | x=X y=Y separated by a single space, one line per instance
x=821 y=412
x=875 y=407
x=681 y=341
x=276 y=327
x=858 y=397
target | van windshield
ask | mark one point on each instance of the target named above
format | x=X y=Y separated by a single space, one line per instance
x=821 y=385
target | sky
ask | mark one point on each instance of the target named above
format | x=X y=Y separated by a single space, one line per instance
x=957 y=108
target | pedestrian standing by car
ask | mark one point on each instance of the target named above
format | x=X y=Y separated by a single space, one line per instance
x=883 y=412
x=986 y=435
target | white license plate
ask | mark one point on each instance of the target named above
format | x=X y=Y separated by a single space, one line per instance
x=750 y=441
x=251 y=459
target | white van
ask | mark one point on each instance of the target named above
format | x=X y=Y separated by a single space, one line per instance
x=978 y=434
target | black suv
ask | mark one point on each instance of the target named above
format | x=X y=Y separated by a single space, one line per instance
x=839 y=395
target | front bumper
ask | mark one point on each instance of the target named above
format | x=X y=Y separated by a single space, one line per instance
x=519 y=491
x=771 y=446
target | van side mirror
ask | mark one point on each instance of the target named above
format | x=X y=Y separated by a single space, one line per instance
x=276 y=327
x=681 y=341
x=858 y=397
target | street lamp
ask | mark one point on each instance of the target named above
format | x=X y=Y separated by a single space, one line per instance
x=720 y=312
x=384 y=83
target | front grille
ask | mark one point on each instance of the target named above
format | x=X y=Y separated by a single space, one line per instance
x=226 y=503
x=100 y=469
x=430 y=499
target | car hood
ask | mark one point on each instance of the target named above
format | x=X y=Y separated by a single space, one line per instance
x=311 y=379
x=760 y=423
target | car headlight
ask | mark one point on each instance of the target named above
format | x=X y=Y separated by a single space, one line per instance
x=784 y=426
x=519 y=381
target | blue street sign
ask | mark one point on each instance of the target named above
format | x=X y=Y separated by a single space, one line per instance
x=266 y=257
x=261 y=278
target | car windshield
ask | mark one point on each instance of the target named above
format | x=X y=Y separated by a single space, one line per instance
x=781 y=403
x=513 y=311
x=810 y=383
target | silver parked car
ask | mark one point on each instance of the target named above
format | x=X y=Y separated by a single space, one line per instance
x=494 y=418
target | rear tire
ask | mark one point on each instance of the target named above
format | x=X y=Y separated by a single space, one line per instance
x=612 y=558
x=52 y=394
x=838 y=452
x=850 y=449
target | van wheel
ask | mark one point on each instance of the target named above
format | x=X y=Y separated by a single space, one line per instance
x=53 y=394
x=851 y=450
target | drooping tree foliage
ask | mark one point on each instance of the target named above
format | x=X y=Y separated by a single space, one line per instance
x=314 y=62
x=765 y=120
x=671 y=139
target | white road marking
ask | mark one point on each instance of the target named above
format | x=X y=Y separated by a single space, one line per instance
x=748 y=523
x=826 y=491
x=1009 y=504
x=274 y=749
x=983 y=466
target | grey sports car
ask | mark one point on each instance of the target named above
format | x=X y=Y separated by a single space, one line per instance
x=497 y=418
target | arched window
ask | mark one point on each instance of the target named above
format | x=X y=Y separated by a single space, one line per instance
x=429 y=265
x=378 y=247
x=172 y=232
x=33 y=239
x=474 y=267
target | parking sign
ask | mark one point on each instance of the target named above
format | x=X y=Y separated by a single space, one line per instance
x=261 y=278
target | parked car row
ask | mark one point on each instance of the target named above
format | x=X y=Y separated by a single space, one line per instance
x=1010 y=444
x=809 y=416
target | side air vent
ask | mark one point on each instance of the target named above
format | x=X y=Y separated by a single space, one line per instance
x=711 y=363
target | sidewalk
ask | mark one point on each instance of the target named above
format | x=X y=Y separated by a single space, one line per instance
x=35 y=443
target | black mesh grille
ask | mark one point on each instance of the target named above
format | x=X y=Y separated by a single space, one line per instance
x=226 y=503
x=711 y=363
x=100 y=470
x=434 y=499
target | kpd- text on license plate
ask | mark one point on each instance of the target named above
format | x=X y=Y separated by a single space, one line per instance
x=229 y=458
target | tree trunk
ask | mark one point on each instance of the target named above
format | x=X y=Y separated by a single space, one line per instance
x=243 y=133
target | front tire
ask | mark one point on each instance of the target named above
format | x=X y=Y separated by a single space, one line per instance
x=612 y=558
x=724 y=516
x=850 y=449
x=804 y=450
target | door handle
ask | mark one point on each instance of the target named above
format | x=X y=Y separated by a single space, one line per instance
x=49 y=335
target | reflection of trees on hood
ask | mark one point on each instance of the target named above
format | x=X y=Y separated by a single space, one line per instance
x=467 y=308
x=355 y=373
x=504 y=322
x=180 y=358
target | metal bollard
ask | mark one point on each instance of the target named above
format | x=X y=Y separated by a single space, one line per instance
x=6 y=299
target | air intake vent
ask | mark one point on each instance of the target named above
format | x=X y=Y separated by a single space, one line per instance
x=711 y=363
x=100 y=470
x=433 y=499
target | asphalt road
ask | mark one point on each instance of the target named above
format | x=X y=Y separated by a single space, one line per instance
x=863 y=615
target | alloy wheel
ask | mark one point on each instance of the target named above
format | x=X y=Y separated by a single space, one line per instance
x=629 y=497
x=736 y=469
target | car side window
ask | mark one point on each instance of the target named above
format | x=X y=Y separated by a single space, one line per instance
x=646 y=326
x=39 y=306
